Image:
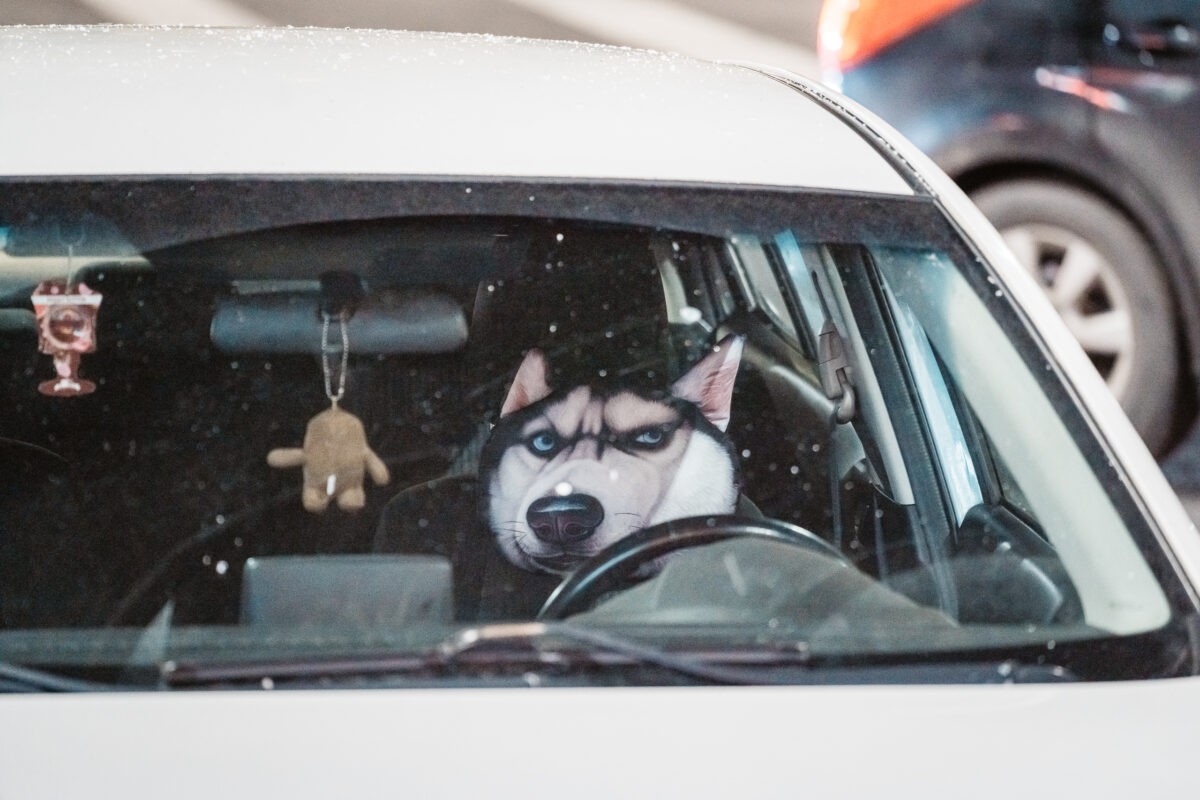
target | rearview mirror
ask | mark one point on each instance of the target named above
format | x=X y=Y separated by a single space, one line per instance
x=421 y=322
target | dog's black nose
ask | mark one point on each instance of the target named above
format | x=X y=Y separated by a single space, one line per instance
x=565 y=520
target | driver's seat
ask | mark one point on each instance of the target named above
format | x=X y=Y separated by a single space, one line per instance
x=441 y=517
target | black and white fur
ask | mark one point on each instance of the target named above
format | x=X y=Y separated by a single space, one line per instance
x=567 y=472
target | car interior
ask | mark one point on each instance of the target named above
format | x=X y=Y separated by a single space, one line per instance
x=153 y=496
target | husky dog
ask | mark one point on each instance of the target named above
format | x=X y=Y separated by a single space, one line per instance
x=568 y=472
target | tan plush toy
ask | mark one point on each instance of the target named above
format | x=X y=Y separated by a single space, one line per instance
x=334 y=457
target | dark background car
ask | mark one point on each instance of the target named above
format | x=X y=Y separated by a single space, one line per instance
x=1073 y=124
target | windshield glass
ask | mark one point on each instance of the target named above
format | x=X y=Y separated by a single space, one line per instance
x=319 y=428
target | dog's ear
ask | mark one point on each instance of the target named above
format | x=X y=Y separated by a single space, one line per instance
x=529 y=385
x=709 y=384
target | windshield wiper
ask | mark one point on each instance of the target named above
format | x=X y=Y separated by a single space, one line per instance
x=15 y=679
x=535 y=644
x=560 y=647
x=606 y=647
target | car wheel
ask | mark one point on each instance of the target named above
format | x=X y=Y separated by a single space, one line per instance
x=1103 y=278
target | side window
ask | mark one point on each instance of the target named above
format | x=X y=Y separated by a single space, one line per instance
x=797 y=462
x=971 y=469
x=999 y=440
x=758 y=262
x=797 y=262
x=779 y=424
x=1007 y=489
x=955 y=460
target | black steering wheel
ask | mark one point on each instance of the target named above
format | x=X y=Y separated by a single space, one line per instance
x=613 y=566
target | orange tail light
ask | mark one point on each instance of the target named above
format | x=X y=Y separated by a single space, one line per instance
x=851 y=31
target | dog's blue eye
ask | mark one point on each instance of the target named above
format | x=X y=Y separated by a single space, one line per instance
x=543 y=443
x=651 y=438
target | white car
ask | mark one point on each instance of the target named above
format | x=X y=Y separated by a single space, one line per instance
x=676 y=430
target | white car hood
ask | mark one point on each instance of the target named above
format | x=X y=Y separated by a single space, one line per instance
x=1090 y=740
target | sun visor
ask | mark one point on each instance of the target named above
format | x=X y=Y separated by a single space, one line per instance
x=387 y=323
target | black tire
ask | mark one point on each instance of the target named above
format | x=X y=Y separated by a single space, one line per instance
x=1145 y=374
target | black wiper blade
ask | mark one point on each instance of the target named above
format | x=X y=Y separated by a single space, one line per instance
x=532 y=644
x=16 y=679
x=563 y=647
x=605 y=647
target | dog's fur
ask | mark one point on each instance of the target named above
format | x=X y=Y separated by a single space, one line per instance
x=568 y=472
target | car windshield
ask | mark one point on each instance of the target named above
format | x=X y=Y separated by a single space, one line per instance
x=462 y=432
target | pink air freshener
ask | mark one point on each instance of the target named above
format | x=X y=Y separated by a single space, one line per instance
x=66 y=320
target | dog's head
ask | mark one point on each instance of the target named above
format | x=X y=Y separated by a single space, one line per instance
x=569 y=472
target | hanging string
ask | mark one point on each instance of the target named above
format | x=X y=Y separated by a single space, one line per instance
x=327 y=350
x=70 y=245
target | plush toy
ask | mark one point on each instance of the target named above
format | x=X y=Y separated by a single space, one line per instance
x=334 y=457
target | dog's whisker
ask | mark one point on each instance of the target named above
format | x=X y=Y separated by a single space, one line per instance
x=636 y=524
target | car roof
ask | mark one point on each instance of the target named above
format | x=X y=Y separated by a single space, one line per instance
x=129 y=100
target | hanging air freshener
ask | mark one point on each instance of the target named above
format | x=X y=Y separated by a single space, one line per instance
x=335 y=454
x=66 y=324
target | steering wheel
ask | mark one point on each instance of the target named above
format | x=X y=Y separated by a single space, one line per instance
x=614 y=565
